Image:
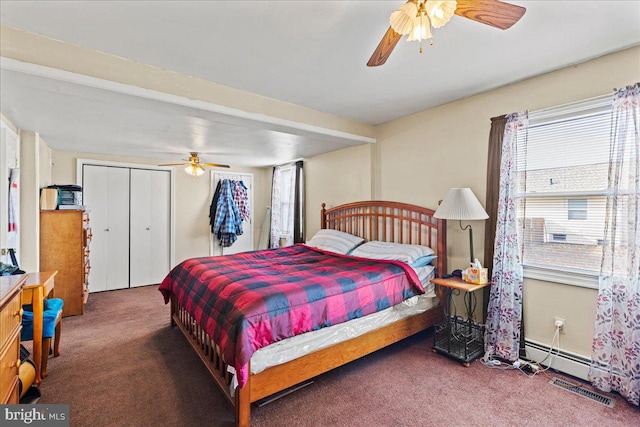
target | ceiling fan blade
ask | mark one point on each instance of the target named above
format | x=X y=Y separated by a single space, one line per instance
x=384 y=49
x=491 y=12
x=215 y=165
x=174 y=164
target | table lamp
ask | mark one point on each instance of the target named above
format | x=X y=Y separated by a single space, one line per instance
x=461 y=204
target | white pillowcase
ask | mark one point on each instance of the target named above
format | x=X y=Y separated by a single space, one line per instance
x=392 y=251
x=335 y=241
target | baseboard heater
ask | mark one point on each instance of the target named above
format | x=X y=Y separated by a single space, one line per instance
x=567 y=362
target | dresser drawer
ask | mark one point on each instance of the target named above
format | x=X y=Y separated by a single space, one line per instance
x=14 y=394
x=10 y=319
x=10 y=363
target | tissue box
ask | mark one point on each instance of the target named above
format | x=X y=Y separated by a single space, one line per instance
x=477 y=276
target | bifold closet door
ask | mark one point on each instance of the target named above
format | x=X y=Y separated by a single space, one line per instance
x=150 y=226
x=106 y=195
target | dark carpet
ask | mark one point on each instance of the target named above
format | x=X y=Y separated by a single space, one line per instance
x=121 y=364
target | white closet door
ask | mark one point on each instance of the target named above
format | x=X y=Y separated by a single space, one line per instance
x=150 y=226
x=106 y=195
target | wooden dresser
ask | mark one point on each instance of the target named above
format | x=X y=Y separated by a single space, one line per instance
x=10 y=325
x=64 y=246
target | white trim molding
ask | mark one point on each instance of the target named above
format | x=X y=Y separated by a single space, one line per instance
x=566 y=277
x=566 y=361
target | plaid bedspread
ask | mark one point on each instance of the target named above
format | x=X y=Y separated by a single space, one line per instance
x=250 y=300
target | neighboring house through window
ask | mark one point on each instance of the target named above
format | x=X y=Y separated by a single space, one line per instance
x=563 y=164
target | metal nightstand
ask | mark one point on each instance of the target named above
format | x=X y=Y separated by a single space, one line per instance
x=458 y=337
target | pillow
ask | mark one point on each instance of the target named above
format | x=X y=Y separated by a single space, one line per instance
x=393 y=251
x=423 y=261
x=335 y=241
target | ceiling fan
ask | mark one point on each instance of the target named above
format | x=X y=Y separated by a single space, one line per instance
x=194 y=166
x=415 y=18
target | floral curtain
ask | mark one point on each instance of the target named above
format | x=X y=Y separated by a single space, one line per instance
x=616 y=343
x=504 y=313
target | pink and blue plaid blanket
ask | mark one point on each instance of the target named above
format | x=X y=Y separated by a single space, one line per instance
x=250 y=300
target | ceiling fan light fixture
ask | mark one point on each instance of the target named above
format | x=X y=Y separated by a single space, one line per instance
x=424 y=13
x=440 y=12
x=194 y=170
x=402 y=19
x=421 y=29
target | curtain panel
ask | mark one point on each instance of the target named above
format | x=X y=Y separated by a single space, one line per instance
x=496 y=135
x=616 y=343
x=504 y=313
x=287 y=205
x=494 y=157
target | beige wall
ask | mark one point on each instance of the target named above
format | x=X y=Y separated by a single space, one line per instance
x=192 y=199
x=32 y=169
x=44 y=156
x=335 y=178
x=423 y=155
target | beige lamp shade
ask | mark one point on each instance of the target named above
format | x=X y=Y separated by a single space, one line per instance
x=461 y=204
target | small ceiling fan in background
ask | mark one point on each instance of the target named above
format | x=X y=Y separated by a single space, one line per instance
x=416 y=17
x=194 y=166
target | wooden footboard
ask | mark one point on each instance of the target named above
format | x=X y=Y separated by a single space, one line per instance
x=281 y=377
x=205 y=348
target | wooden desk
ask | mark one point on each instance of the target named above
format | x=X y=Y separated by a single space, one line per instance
x=37 y=287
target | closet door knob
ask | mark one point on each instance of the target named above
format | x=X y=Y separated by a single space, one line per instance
x=107 y=229
x=148 y=228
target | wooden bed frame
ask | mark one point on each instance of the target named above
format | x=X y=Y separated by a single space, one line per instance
x=372 y=220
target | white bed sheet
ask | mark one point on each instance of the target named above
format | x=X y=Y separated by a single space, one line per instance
x=300 y=345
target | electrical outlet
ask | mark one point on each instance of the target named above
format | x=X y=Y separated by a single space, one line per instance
x=559 y=323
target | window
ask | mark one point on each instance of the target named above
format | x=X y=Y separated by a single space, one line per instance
x=563 y=164
x=577 y=209
x=287 y=181
x=287 y=205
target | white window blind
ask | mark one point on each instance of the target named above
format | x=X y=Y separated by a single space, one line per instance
x=563 y=165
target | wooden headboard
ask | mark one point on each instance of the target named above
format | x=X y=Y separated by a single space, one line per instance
x=390 y=222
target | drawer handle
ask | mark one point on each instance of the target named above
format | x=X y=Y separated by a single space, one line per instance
x=18 y=313
x=15 y=364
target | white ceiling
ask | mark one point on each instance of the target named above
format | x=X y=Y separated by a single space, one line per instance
x=310 y=53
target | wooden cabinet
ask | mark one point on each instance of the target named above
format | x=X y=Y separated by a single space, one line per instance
x=64 y=246
x=10 y=325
